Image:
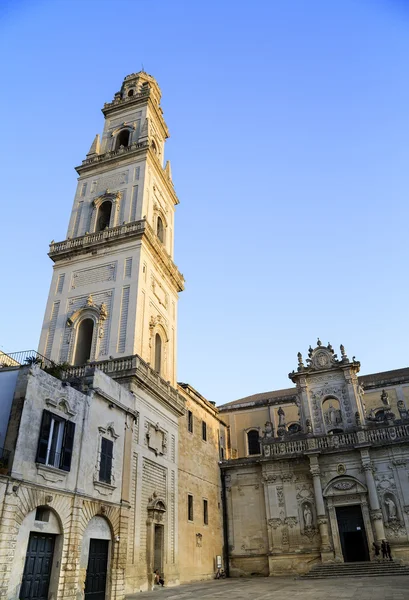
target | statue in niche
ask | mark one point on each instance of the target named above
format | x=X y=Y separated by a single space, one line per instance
x=391 y=508
x=332 y=416
x=307 y=514
x=281 y=417
x=308 y=426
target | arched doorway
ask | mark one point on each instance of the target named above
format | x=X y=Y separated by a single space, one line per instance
x=83 y=342
x=36 y=565
x=95 y=558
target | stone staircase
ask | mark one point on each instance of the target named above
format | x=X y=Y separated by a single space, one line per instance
x=357 y=569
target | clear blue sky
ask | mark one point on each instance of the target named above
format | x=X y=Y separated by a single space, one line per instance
x=290 y=130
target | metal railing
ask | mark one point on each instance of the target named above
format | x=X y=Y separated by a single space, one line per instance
x=23 y=358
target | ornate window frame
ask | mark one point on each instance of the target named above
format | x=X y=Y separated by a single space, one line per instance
x=159 y=213
x=116 y=132
x=106 y=489
x=107 y=196
x=156 y=325
x=97 y=314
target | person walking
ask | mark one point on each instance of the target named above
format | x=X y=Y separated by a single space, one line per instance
x=384 y=550
x=388 y=551
x=376 y=549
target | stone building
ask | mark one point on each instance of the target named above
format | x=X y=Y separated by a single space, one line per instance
x=318 y=471
x=89 y=429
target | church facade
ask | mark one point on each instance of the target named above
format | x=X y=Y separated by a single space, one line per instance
x=319 y=471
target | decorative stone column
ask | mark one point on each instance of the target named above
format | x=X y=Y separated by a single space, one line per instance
x=326 y=552
x=376 y=512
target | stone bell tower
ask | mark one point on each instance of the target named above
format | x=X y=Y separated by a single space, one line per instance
x=331 y=399
x=114 y=290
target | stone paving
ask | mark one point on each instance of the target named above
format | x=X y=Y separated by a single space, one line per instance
x=286 y=588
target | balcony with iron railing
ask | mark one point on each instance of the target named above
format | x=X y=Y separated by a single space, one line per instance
x=118 y=368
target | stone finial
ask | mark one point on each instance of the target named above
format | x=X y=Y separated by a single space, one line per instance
x=90 y=300
x=103 y=311
x=319 y=343
x=95 y=146
x=300 y=362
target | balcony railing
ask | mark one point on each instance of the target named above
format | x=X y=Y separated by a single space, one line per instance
x=23 y=358
x=276 y=447
x=89 y=239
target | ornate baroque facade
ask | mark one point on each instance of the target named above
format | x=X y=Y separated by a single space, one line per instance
x=328 y=474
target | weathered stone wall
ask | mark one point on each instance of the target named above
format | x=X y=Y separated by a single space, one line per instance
x=199 y=475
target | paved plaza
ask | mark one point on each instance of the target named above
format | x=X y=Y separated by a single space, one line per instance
x=286 y=588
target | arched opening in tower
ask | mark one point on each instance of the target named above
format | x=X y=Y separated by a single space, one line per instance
x=104 y=216
x=122 y=139
x=84 y=342
x=160 y=232
x=158 y=353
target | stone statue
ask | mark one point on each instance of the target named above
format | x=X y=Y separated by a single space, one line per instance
x=385 y=398
x=330 y=348
x=332 y=416
x=343 y=353
x=361 y=390
x=300 y=362
x=391 y=508
x=310 y=351
x=307 y=513
x=268 y=430
x=281 y=417
x=319 y=343
x=402 y=410
x=308 y=426
x=371 y=416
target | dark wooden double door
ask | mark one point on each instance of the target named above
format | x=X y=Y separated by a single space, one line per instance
x=352 y=533
x=37 y=568
x=96 y=579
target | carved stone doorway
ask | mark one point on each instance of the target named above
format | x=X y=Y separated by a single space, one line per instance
x=158 y=548
x=352 y=533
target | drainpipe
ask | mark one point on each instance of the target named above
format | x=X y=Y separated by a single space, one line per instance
x=225 y=526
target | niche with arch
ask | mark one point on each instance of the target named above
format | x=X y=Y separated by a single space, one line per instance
x=331 y=410
x=85 y=332
x=105 y=210
x=103 y=219
x=391 y=508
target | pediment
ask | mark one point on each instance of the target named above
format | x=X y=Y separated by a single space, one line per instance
x=344 y=485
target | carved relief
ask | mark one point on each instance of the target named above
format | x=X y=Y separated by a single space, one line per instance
x=156 y=438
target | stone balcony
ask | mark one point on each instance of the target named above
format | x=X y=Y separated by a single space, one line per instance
x=112 y=155
x=303 y=444
x=135 y=229
x=124 y=369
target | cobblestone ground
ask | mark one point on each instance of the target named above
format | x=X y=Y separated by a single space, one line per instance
x=285 y=588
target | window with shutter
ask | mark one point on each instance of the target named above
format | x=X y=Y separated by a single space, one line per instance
x=56 y=441
x=105 y=465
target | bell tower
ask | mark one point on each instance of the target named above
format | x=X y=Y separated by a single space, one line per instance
x=114 y=290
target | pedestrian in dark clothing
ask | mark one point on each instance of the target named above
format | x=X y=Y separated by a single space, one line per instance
x=388 y=551
x=376 y=549
x=384 y=550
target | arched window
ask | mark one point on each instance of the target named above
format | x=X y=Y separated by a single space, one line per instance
x=104 y=216
x=130 y=93
x=122 y=139
x=160 y=231
x=158 y=353
x=84 y=342
x=253 y=443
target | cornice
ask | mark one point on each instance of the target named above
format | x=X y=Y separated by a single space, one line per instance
x=136 y=230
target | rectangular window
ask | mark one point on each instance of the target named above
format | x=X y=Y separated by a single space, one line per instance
x=60 y=283
x=189 y=507
x=205 y=512
x=56 y=441
x=204 y=431
x=83 y=189
x=105 y=465
x=190 y=421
